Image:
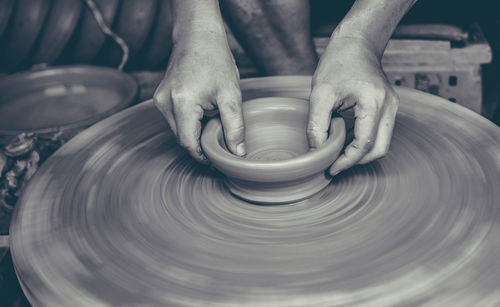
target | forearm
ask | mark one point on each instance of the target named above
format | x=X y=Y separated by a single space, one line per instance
x=195 y=19
x=373 y=21
x=274 y=33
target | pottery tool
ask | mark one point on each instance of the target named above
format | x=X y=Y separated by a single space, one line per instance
x=121 y=215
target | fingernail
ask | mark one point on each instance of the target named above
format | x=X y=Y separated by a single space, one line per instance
x=334 y=171
x=240 y=149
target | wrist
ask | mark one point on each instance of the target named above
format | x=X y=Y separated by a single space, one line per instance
x=200 y=39
x=197 y=18
x=373 y=21
x=353 y=47
x=358 y=40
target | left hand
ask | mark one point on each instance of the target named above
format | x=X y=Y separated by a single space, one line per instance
x=202 y=75
x=349 y=75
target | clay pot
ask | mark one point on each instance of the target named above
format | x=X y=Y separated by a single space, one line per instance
x=279 y=166
x=41 y=110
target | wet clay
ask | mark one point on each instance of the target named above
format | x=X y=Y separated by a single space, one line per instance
x=279 y=166
x=121 y=215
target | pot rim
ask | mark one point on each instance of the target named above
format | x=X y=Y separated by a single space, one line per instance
x=305 y=165
x=33 y=76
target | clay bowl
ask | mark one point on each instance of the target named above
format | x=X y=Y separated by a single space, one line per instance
x=279 y=166
x=62 y=98
x=41 y=110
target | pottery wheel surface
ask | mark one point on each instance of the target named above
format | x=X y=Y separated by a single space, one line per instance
x=121 y=215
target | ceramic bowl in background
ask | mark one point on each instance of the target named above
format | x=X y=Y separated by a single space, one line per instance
x=279 y=166
x=41 y=110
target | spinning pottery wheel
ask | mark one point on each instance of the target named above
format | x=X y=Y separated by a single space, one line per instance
x=120 y=215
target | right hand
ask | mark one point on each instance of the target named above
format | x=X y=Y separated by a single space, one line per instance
x=201 y=76
x=350 y=75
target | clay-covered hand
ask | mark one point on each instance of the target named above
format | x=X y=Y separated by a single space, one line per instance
x=201 y=76
x=350 y=75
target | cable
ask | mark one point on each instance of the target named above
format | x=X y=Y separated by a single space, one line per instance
x=106 y=30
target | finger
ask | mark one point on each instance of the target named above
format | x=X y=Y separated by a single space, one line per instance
x=188 y=120
x=365 y=130
x=231 y=115
x=169 y=115
x=384 y=133
x=164 y=104
x=322 y=102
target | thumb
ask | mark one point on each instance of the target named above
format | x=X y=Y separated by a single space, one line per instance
x=231 y=115
x=322 y=101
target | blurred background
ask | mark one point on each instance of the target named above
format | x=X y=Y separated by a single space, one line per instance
x=444 y=47
x=40 y=33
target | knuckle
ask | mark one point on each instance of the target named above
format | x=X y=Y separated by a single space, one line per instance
x=235 y=94
x=160 y=100
x=377 y=106
x=184 y=111
x=372 y=87
x=233 y=127
x=181 y=95
x=378 y=93
x=233 y=89
x=380 y=96
x=232 y=109
x=369 y=108
x=157 y=102
x=180 y=112
x=363 y=146
x=230 y=95
x=320 y=91
x=229 y=86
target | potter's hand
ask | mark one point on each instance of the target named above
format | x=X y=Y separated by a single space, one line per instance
x=201 y=75
x=350 y=75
